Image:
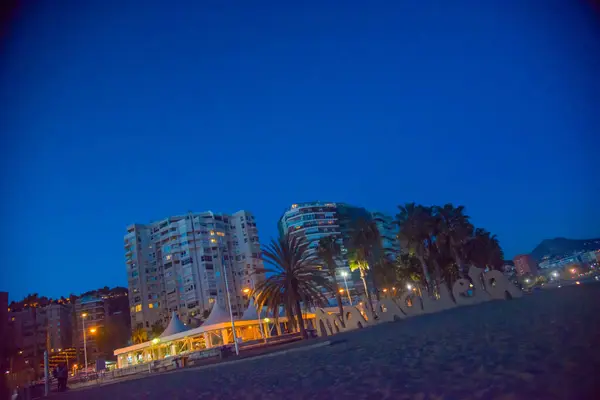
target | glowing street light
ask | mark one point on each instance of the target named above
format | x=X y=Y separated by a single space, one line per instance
x=93 y=330
x=246 y=291
x=344 y=275
x=408 y=286
x=83 y=316
x=384 y=290
x=341 y=290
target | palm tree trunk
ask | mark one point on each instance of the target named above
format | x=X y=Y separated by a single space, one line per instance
x=438 y=275
x=338 y=297
x=300 y=320
x=461 y=265
x=425 y=272
x=374 y=282
x=369 y=300
x=290 y=319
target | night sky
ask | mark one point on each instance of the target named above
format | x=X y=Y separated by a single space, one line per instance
x=118 y=114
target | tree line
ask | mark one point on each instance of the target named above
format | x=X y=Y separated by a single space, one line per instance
x=437 y=245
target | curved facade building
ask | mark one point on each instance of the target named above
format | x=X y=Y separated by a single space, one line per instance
x=315 y=220
x=389 y=234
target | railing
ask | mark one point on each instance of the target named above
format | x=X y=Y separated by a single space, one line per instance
x=200 y=357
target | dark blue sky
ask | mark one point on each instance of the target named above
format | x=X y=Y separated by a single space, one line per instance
x=130 y=113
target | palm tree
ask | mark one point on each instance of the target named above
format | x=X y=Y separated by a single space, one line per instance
x=408 y=269
x=484 y=250
x=294 y=278
x=455 y=232
x=358 y=261
x=139 y=335
x=414 y=234
x=366 y=237
x=157 y=328
x=329 y=251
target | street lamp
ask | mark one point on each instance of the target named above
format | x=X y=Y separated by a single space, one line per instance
x=83 y=316
x=246 y=291
x=237 y=349
x=344 y=275
x=408 y=286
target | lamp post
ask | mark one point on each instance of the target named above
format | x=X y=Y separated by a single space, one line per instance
x=84 y=340
x=344 y=274
x=237 y=349
x=247 y=292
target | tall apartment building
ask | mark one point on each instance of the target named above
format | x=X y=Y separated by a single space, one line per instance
x=315 y=220
x=90 y=308
x=389 y=234
x=180 y=264
x=5 y=343
x=107 y=323
x=60 y=329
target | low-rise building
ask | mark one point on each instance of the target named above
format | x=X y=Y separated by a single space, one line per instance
x=29 y=330
x=525 y=265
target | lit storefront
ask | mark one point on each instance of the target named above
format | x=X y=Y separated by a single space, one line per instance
x=215 y=331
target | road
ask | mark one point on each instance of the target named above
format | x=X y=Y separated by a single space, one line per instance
x=542 y=346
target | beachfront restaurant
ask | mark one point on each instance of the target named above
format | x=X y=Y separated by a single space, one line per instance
x=177 y=339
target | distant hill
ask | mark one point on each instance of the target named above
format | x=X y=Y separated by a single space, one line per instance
x=561 y=247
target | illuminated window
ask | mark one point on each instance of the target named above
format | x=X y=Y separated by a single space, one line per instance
x=150 y=305
x=294 y=205
x=212 y=233
x=138 y=308
x=213 y=240
x=168 y=257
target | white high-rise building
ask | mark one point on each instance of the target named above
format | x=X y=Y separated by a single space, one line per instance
x=312 y=221
x=180 y=264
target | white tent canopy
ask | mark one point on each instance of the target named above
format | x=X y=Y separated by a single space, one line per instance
x=251 y=312
x=217 y=316
x=175 y=326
